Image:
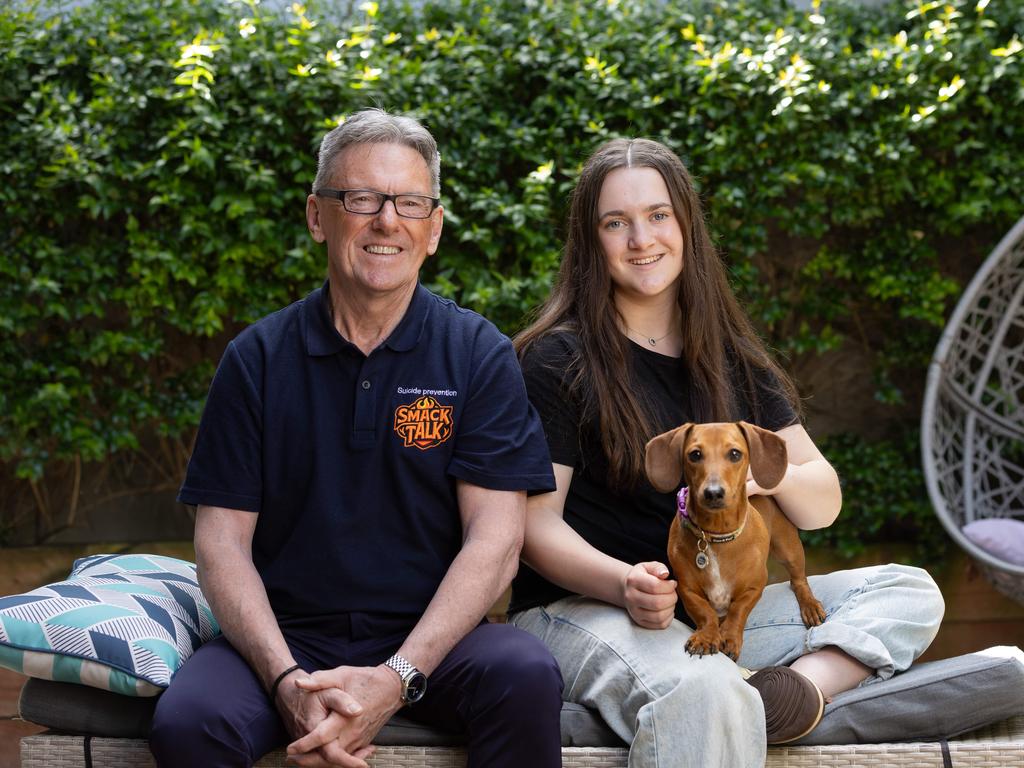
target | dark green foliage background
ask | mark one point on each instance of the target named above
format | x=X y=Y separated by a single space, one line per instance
x=152 y=193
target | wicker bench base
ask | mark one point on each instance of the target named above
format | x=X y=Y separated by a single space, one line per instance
x=998 y=746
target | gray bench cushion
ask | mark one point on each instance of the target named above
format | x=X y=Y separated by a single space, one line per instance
x=80 y=709
x=929 y=702
x=85 y=710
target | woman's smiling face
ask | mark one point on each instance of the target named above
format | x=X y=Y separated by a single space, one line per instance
x=639 y=233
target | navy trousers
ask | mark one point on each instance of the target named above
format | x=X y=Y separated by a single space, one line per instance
x=499 y=685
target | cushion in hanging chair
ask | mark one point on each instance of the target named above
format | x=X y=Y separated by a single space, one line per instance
x=1002 y=537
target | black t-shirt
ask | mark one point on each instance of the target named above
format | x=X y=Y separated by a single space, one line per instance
x=631 y=526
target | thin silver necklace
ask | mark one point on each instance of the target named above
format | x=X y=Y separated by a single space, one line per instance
x=650 y=339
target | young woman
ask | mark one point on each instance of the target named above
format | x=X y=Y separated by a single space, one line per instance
x=641 y=334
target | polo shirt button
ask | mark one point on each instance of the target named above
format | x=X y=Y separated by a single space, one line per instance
x=366 y=384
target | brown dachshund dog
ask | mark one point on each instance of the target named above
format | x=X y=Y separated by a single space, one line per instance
x=719 y=541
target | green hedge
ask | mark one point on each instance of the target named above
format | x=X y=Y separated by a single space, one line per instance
x=154 y=158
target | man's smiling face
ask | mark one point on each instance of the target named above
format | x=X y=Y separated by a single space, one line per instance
x=376 y=255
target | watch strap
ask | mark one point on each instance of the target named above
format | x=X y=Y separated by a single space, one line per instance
x=401 y=666
x=407 y=673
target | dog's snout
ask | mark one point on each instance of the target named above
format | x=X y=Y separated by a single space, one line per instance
x=713 y=493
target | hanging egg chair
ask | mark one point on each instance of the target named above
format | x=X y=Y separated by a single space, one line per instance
x=972 y=424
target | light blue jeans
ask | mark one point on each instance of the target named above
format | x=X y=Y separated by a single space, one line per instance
x=682 y=711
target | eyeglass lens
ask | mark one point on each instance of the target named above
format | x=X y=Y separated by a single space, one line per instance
x=367 y=201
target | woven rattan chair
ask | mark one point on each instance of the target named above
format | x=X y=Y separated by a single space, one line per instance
x=972 y=426
x=999 y=745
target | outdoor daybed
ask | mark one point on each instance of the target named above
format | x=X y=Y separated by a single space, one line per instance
x=1000 y=745
x=100 y=646
x=980 y=685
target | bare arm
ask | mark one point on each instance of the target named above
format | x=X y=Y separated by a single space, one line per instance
x=809 y=493
x=235 y=590
x=559 y=554
x=492 y=536
x=236 y=594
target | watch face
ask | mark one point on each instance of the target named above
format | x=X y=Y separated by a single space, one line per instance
x=415 y=687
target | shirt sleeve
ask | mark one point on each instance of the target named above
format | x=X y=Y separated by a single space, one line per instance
x=774 y=411
x=500 y=443
x=226 y=465
x=546 y=369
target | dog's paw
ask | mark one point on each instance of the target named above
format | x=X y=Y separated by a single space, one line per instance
x=731 y=646
x=812 y=612
x=701 y=649
x=703 y=643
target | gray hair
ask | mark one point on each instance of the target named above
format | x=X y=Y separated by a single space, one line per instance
x=375 y=126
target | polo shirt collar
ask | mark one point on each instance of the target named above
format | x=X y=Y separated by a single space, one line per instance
x=322 y=338
x=408 y=331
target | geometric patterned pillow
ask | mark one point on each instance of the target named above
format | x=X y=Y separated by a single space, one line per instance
x=124 y=623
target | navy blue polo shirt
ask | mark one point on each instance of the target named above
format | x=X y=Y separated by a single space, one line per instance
x=350 y=460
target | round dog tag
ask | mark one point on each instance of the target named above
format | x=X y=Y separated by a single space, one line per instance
x=701 y=560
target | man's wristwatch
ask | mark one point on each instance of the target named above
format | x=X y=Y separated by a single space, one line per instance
x=414 y=682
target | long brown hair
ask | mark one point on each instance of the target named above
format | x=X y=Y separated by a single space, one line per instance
x=720 y=346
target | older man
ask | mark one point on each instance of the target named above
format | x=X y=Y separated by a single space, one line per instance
x=361 y=473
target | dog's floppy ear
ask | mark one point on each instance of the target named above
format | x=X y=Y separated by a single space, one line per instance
x=663 y=459
x=769 y=459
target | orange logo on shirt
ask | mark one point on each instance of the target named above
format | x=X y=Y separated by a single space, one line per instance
x=424 y=423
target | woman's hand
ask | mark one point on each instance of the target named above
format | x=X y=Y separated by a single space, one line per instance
x=649 y=595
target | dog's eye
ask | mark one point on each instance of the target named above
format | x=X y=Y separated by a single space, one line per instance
x=695 y=455
x=735 y=455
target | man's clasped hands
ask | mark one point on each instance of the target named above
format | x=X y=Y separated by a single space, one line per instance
x=333 y=714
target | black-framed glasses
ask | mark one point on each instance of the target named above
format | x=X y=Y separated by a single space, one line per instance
x=369 y=202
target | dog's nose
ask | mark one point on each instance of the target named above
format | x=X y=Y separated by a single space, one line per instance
x=713 y=493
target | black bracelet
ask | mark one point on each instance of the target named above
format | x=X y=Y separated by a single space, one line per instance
x=282 y=676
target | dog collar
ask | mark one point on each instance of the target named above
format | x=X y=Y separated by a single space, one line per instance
x=682 y=498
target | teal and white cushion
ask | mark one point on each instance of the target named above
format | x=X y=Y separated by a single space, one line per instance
x=123 y=623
